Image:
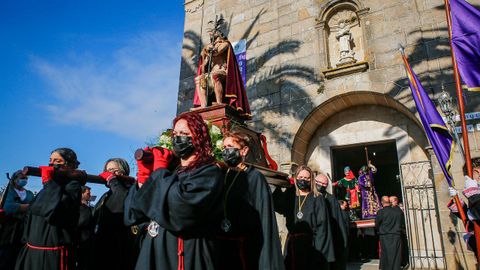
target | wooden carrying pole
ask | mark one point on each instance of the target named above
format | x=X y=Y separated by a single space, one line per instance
x=76 y=175
x=466 y=145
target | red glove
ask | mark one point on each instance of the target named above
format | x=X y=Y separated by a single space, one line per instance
x=161 y=158
x=47 y=173
x=144 y=169
x=107 y=176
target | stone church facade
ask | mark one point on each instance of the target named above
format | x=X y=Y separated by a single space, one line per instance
x=325 y=75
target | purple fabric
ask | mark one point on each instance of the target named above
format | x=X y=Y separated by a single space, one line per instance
x=435 y=129
x=370 y=202
x=466 y=41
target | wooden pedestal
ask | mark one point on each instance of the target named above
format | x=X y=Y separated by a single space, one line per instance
x=228 y=119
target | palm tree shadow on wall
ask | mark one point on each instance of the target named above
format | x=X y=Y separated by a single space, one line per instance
x=423 y=53
x=426 y=51
x=273 y=91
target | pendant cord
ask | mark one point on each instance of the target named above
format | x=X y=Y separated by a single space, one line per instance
x=300 y=205
x=228 y=190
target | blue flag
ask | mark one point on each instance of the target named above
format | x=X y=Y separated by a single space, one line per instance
x=433 y=124
x=466 y=41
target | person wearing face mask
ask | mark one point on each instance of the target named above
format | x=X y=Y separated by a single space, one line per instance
x=248 y=234
x=111 y=237
x=17 y=201
x=339 y=223
x=183 y=206
x=309 y=243
x=52 y=219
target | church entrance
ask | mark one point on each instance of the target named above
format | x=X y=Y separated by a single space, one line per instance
x=384 y=156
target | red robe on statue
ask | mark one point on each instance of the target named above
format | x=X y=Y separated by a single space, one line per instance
x=234 y=92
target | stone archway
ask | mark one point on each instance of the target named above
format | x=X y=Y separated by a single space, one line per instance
x=301 y=149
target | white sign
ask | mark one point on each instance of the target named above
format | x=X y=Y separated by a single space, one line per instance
x=470 y=128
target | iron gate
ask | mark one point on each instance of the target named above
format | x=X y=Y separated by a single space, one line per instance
x=422 y=219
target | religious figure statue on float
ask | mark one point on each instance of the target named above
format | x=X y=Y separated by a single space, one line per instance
x=350 y=183
x=370 y=201
x=218 y=79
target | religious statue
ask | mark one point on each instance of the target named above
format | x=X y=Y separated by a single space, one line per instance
x=218 y=75
x=370 y=202
x=345 y=40
x=350 y=183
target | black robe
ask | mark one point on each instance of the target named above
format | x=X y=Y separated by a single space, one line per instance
x=186 y=206
x=405 y=251
x=340 y=228
x=253 y=240
x=50 y=227
x=390 y=226
x=309 y=242
x=85 y=231
x=113 y=241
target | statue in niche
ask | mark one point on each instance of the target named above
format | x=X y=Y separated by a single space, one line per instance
x=345 y=40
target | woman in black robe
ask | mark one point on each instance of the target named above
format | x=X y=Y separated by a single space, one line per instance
x=309 y=242
x=50 y=226
x=248 y=234
x=182 y=206
x=113 y=241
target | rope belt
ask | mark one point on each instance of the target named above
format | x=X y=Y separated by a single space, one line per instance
x=63 y=253
x=181 y=254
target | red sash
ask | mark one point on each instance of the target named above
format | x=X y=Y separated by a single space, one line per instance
x=63 y=254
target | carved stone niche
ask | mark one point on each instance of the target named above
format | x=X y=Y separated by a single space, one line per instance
x=342 y=31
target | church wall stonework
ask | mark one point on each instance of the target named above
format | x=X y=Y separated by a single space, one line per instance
x=289 y=52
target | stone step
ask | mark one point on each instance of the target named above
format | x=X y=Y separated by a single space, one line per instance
x=368 y=265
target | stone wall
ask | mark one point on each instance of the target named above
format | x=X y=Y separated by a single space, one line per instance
x=287 y=54
x=290 y=52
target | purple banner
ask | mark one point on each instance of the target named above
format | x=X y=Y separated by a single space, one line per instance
x=240 y=49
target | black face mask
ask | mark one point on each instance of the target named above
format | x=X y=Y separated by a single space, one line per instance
x=57 y=166
x=231 y=156
x=183 y=146
x=303 y=184
x=321 y=189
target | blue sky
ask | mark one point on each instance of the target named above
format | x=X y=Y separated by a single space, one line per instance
x=100 y=77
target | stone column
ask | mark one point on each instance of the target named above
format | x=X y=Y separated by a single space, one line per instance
x=456 y=254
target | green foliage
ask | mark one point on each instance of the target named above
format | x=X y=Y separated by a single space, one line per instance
x=165 y=140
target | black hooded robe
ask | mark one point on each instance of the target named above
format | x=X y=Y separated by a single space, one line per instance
x=184 y=210
x=253 y=240
x=50 y=227
x=340 y=228
x=309 y=242
x=113 y=241
x=84 y=240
